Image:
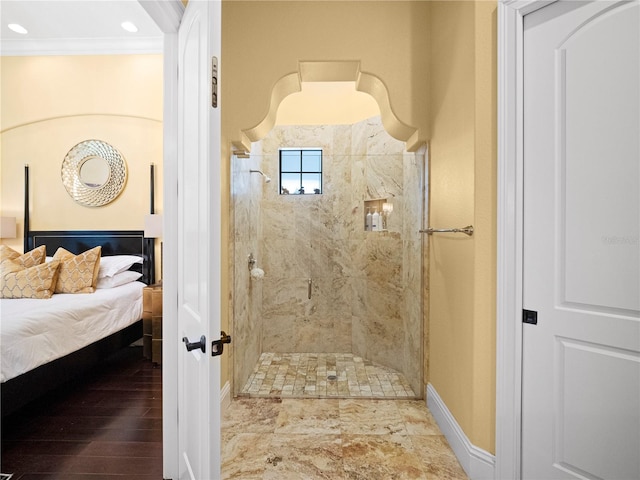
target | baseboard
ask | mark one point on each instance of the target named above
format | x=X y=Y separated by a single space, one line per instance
x=225 y=397
x=476 y=462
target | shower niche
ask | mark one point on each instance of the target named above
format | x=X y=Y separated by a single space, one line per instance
x=330 y=286
x=383 y=207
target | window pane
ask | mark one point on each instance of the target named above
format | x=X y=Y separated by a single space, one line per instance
x=290 y=160
x=293 y=162
x=312 y=183
x=312 y=161
x=289 y=182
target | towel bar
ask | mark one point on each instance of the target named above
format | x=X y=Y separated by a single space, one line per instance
x=468 y=230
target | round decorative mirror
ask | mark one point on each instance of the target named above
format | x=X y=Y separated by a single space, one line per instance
x=94 y=173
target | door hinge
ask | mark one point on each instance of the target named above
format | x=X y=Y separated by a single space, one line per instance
x=214 y=82
x=530 y=316
x=217 y=346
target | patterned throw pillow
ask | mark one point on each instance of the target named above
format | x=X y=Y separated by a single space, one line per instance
x=29 y=259
x=78 y=273
x=37 y=281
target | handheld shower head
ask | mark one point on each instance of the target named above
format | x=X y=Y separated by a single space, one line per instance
x=267 y=179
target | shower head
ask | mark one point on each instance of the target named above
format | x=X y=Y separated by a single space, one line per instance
x=266 y=178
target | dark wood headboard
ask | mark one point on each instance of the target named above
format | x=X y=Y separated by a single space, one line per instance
x=113 y=242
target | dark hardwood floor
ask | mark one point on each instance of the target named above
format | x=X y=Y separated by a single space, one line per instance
x=107 y=425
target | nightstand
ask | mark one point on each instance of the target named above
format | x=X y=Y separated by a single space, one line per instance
x=152 y=323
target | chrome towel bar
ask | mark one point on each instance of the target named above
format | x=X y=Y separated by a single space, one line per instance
x=468 y=230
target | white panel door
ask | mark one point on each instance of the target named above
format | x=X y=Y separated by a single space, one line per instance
x=581 y=362
x=198 y=243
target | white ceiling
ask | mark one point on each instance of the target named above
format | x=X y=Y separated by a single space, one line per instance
x=77 y=27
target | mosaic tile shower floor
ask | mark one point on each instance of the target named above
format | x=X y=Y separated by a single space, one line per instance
x=324 y=375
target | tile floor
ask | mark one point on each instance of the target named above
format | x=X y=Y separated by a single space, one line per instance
x=324 y=375
x=336 y=439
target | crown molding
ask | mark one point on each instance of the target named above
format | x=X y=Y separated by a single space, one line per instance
x=82 y=46
x=166 y=13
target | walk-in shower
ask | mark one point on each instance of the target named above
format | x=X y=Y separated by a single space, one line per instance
x=339 y=310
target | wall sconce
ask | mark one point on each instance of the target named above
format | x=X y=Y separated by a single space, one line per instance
x=387 y=208
x=8 y=227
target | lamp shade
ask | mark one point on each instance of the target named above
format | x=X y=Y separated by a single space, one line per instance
x=8 y=227
x=153 y=225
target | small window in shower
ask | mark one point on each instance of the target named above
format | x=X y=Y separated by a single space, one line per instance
x=300 y=171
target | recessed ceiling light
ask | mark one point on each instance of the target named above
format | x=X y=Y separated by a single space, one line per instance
x=17 y=28
x=129 y=27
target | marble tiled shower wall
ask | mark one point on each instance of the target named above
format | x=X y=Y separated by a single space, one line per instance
x=246 y=192
x=366 y=286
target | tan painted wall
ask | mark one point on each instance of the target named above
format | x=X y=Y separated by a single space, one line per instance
x=51 y=103
x=264 y=41
x=463 y=191
x=326 y=103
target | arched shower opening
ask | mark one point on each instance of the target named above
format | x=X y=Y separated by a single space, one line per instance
x=334 y=310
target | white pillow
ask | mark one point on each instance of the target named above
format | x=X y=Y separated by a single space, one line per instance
x=113 y=264
x=118 y=279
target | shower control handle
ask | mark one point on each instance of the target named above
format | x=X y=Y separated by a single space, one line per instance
x=202 y=344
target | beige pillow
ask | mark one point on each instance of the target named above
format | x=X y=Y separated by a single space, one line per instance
x=78 y=273
x=37 y=281
x=29 y=259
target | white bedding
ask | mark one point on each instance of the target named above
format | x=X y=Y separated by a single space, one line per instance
x=34 y=332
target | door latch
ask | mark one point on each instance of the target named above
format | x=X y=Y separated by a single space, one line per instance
x=214 y=82
x=530 y=316
x=217 y=346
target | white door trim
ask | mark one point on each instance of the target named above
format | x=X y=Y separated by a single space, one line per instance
x=511 y=15
x=170 y=457
x=167 y=15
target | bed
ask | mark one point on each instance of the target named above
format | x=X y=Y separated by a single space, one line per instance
x=46 y=343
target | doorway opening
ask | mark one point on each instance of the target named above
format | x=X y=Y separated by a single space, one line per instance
x=335 y=299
